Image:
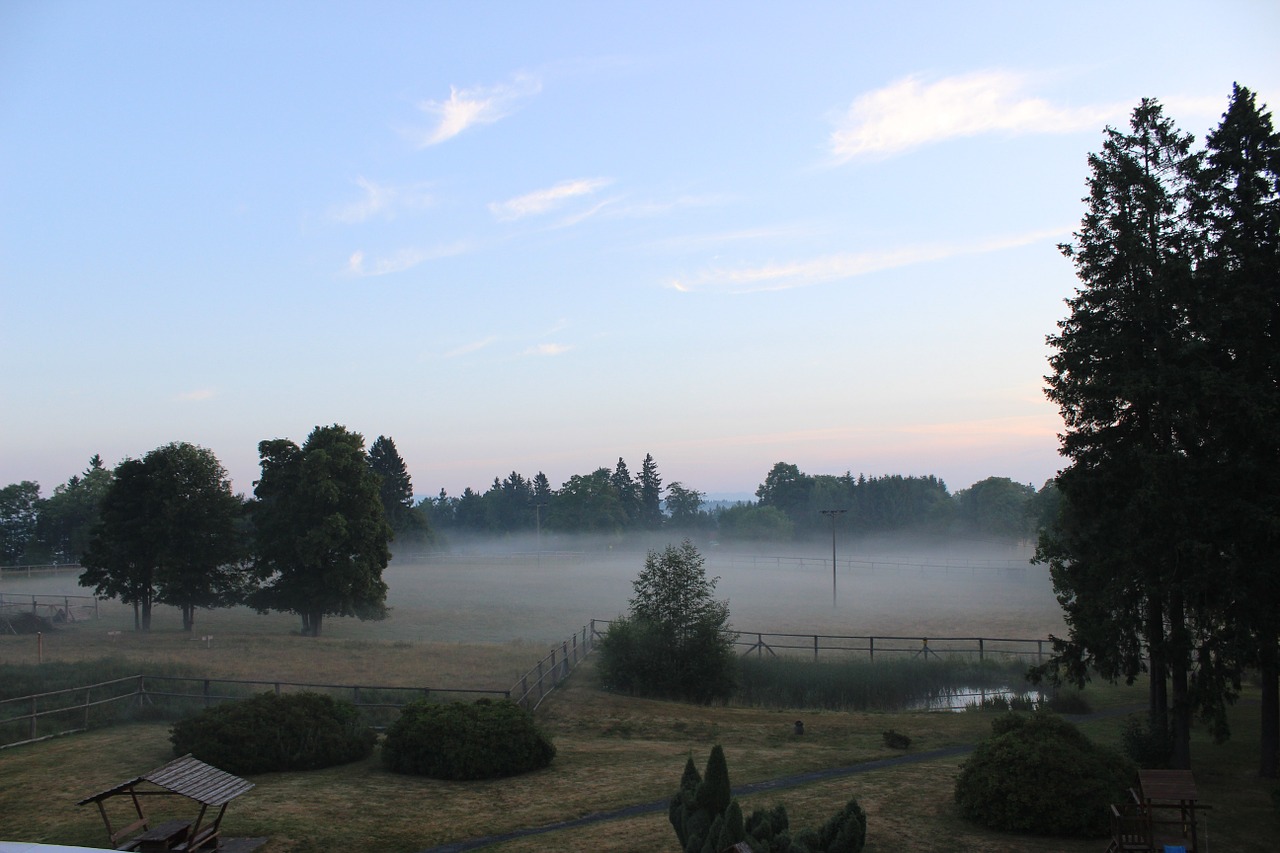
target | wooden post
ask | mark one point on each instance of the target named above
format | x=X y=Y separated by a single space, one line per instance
x=981 y=650
x=33 y=718
x=541 y=692
x=815 y=646
x=871 y=647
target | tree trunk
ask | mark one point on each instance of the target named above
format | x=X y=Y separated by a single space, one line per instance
x=1179 y=664
x=1270 y=740
x=188 y=617
x=146 y=614
x=1157 y=690
x=137 y=618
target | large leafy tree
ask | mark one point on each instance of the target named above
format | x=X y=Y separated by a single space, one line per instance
x=588 y=503
x=170 y=532
x=321 y=532
x=684 y=505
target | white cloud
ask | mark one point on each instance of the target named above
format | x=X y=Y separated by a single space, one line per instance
x=477 y=105
x=548 y=349
x=474 y=346
x=399 y=261
x=382 y=199
x=803 y=273
x=545 y=200
x=909 y=113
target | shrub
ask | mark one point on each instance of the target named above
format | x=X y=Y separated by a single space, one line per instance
x=1069 y=702
x=707 y=820
x=1145 y=746
x=1039 y=774
x=269 y=732
x=896 y=740
x=482 y=740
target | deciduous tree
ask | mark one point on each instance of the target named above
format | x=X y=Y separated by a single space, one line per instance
x=320 y=529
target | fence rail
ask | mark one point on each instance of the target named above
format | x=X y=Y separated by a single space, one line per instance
x=59 y=608
x=43 y=569
x=547 y=674
x=762 y=642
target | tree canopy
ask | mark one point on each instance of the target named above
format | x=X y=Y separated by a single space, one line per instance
x=320 y=530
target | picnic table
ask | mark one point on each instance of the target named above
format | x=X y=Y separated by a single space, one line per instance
x=1170 y=799
x=163 y=837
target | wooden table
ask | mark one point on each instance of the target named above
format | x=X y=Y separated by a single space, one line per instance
x=163 y=837
x=1172 y=801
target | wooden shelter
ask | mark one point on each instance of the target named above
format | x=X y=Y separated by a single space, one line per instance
x=183 y=777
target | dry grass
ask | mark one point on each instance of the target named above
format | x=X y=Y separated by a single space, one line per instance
x=612 y=752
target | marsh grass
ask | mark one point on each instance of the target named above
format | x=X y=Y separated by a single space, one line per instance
x=858 y=685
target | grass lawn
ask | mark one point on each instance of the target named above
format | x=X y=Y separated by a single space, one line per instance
x=612 y=752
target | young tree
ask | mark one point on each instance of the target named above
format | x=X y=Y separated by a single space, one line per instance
x=170 y=532
x=676 y=641
x=649 y=485
x=320 y=529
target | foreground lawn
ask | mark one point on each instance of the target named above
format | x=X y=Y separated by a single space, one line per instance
x=612 y=752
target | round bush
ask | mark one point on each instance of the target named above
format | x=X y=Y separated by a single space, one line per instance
x=296 y=731
x=1039 y=774
x=483 y=740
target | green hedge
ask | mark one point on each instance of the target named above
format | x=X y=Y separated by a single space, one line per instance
x=270 y=732
x=482 y=740
x=1039 y=774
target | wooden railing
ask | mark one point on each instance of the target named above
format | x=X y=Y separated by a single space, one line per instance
x=7 y=572
x=555 y=667
x=57 y=608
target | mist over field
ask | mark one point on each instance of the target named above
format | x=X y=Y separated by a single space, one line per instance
x=504 y=590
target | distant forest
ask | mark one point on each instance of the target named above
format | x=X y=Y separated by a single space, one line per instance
x=789 y=505
x=610 y=502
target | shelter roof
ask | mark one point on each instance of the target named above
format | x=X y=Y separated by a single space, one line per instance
x=187 y=777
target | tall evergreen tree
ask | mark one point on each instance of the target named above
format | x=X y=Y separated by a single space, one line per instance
x=627 y=492
x=1237 y=315
x=396 y=488
x=1124 y=553
x=649 y=485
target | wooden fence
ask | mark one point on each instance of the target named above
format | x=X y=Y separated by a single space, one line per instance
x=9 y=572
x=57 y=608
x=535 y=684
x=30 y=718
x=762 y=642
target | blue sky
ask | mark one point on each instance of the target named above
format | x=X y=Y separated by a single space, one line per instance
x=519 y=238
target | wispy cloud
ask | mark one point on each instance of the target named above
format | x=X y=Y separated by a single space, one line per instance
x=548 y=349
x=803 y=273
x=474 y=346
x=909 y=113
x=197 y=396
x=546 y=200
x=360 y=266
x=381 y=199
x=477 y=105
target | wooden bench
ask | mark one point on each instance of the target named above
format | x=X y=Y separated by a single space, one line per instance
x=204 y=839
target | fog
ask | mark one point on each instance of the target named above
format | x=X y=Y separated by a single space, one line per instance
x=913 y=586
x=513 y=590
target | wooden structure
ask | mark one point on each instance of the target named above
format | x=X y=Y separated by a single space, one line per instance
x=1164 y=812
x=183 y=777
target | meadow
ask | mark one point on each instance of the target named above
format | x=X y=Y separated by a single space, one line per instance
x=479 y=620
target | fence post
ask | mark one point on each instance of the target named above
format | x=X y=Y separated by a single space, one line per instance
x=981 y=650
x=87 y=691
x=524 y=691
x=575 y=649
x=541 y=691
x=564 y=658
x=871 y=647
x=355 y=695
x=277 y=688
x=1040 y=650
x=815 y=646
x=33 y=718
x=206 y=693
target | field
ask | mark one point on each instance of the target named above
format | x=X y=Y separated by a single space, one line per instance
x=479 y=622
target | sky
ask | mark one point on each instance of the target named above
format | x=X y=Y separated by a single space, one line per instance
x=540 y=237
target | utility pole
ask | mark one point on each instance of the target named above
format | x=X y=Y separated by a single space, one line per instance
x=832 y=513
